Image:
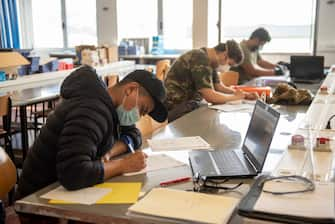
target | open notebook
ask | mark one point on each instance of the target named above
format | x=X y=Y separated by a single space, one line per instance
x=180 y=206
x=308 y=207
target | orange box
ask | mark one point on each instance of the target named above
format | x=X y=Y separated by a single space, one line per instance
x=258 y=90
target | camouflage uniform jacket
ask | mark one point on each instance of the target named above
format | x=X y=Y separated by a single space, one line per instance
x=188 y=74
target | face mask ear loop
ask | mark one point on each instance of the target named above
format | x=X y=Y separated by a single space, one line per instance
x=137 y=93
x=124 y=100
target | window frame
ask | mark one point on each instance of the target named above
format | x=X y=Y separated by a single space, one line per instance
x=27 y=41
x=316 y=5
x=160 y=26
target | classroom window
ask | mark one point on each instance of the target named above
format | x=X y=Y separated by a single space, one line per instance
x=49 y=21
x=81 y=22
x=290 y=23
x=136 y=19
x=177 y=24
x=47 y=24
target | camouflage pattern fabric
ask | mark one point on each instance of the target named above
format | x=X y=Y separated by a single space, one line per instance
x=188 y=74
x=287 y=95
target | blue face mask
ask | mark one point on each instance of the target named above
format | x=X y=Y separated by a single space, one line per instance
x=128 y=118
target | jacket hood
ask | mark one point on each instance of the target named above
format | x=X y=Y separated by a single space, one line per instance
x=84 y=82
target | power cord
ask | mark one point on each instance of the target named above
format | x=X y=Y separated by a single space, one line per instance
x=203 y=184
x=329 y=120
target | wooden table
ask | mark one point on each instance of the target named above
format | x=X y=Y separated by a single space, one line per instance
x=223 y=131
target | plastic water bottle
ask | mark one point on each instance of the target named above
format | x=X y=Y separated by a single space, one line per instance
x=155 y=47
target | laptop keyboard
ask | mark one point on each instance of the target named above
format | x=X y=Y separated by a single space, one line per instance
x=228 y=162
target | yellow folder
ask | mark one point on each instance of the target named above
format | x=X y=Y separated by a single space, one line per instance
x=120 y=193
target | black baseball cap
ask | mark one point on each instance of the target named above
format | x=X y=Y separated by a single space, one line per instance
x=156 y=90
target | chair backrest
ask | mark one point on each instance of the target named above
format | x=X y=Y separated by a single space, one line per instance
x=229 y=78
x=162 y=68
x=111 y=80
x=147 y=125
x=8 y=174
x=4 y=105
x=6 y=112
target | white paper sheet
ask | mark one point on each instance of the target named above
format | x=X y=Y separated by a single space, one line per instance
x=316 y=204
x=157 y=162
x=235 y=102
x=182 y=143
x=86 y=196
x=233 y=107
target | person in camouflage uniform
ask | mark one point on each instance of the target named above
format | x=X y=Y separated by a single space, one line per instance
x=193 y=77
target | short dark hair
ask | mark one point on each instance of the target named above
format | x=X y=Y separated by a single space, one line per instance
x=262 y=34
x=234 y=50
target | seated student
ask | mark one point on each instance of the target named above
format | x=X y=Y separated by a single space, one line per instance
x=193 y=77
x=253 y=64
x=89 y=127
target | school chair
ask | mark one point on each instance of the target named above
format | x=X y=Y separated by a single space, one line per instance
x=8 y=176
x=229 y=78
x=162 y=68
x=5 y=127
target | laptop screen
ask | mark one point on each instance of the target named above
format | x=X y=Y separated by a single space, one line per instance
x=260 y=133
x=307 y=67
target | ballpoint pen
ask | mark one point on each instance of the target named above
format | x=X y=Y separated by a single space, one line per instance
x=175 y=181
x=131 y=148
x=128 y=143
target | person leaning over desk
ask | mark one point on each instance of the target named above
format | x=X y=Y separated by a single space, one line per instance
x=253 y=65
x=193 y=77
x=91 y=126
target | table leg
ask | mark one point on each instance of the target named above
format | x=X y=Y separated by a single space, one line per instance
x=24 y=131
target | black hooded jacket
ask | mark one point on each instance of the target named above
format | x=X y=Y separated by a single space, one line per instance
x=83 y=127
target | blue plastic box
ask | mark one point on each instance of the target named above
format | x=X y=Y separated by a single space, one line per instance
x=2 y=76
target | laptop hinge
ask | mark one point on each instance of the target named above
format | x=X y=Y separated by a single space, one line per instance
x=250 y=162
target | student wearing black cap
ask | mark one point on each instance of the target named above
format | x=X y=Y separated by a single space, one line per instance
x=78 y=144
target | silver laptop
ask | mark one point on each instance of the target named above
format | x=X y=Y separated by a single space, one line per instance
x=247 y=161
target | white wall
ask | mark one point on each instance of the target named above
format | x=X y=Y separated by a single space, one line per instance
x=326 y=32
x=106 y=22
x=200 y=21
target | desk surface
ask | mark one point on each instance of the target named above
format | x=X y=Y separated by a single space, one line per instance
x=151 y=56
x=35 y=95
x=222 y=130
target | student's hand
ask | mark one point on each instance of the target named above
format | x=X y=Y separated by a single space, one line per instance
x=251 y=96
x=278 y=70
x=134 y=162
